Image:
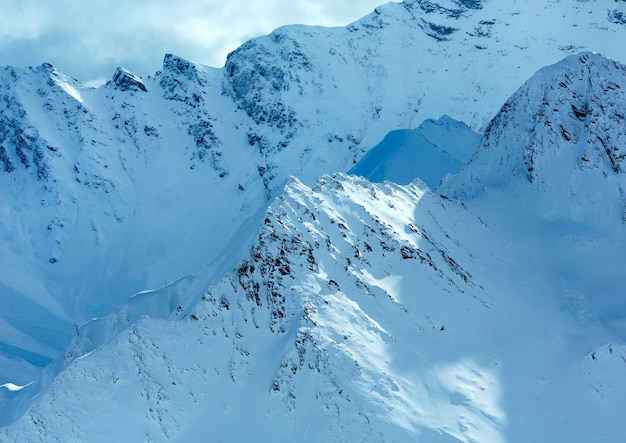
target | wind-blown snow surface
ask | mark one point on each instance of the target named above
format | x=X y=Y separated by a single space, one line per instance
x=111 y=191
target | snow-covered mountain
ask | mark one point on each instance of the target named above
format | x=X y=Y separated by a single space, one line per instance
x=133 y=186
x=559 y=144
x=430 y=152
x=384 y=312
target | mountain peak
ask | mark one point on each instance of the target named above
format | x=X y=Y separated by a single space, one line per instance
x=561 y=135
x=127 y=81
x=177 y=66
x=430 y=152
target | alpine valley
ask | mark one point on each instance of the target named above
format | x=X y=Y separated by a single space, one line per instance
x=412 y=228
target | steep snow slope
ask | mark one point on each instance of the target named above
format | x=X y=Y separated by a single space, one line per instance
x=363 y=312
x=434 y=149
x=111 y=191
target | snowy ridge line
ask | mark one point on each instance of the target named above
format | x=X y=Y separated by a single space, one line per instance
x=315 y=300
x=365 y=312
x=173 y=301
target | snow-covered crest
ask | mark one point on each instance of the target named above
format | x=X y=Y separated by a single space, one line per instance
x=431 y=151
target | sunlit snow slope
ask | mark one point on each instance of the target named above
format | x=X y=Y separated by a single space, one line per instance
x=133 y=186
x=380 y=312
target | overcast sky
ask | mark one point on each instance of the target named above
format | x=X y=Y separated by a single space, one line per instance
x=88 y=39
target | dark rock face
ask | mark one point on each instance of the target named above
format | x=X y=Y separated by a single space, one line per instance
x=19 y=143
x=617 y=16
x=257 y=76
x=430 y=7
x=176 y=66
x=127 y=81
x=182 y=81
x=471 y=4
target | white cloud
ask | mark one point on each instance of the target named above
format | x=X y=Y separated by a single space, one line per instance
x=88 y=39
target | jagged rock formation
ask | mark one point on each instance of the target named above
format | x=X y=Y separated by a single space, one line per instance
x=363 y=311
x=309 y=302
x=127 y=81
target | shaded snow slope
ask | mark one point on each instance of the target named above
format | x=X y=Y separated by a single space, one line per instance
x=111 y=191
x=363 y=312
x=434 y=149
